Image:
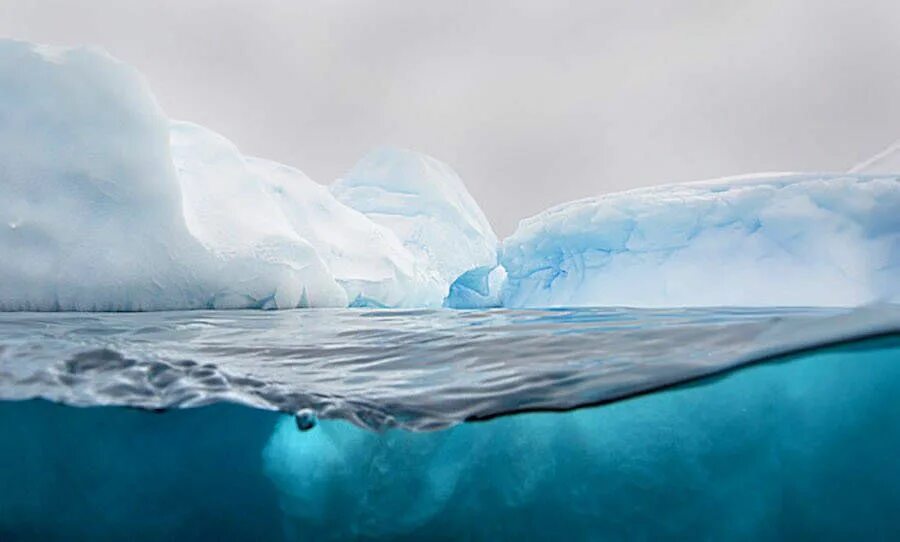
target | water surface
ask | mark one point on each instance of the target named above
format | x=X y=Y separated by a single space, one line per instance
x=413 y=369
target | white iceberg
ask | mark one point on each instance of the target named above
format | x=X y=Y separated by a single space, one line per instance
x=108 y=205
x=365 y=258
x=770 y=239
x=228 y=210
x=239 y=205
x=95 y=216
x=429 y=209
x=90 y=213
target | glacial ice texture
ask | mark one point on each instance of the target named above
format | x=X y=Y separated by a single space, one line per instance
x=90 y=213
x=771 y=239
x=477 y=288
x=108 y=205
x=427 y=206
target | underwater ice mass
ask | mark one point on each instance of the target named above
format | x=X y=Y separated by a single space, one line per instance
x=801 y=448
x=109 y=205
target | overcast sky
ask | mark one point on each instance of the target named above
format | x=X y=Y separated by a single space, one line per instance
x=533 y=103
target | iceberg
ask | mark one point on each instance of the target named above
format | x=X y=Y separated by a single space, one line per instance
x=767 y=239
x=427 y=206
x=97 y=215
x=229 y=211
x=886 y=161
x=366 y=259
x=90 y=213
x=236 y=204
x=109 y=205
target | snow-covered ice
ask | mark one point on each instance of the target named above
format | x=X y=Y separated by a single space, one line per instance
x=229 y=211
x=427 y=206
x=771 y=239
x=96 y=217
x=109 y=205
x=365 y=258
x=90 y=212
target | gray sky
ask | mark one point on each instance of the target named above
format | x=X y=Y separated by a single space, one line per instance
x=533 y=103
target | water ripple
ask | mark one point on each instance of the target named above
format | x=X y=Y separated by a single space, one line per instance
x=418 y=370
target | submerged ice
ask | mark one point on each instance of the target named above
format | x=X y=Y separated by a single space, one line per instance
x=801 y=449
x=109 y=205
x=777 y=447
x=796 y=450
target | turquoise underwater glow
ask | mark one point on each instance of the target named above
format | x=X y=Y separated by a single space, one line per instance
x=801 y=447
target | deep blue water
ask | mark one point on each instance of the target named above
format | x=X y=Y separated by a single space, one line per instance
x=598 y=424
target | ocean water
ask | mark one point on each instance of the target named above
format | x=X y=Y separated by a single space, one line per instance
x=582 y=424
